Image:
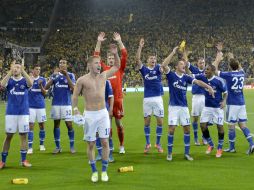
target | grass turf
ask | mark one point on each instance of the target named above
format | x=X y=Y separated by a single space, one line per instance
x=152 y=171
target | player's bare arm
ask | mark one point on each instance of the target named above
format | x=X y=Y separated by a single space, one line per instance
x=77 y=90
x=118 y=39
x=168 y=59
x=219 y=57
x=205 y=86
x=8 y=76
x=101 y=38
x=29 y=80
x=116 y=66
x=49 y=84
x=70 y=83
x=223 y=102
x=138 y=55
x=43 y=91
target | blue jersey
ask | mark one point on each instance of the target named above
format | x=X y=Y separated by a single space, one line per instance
x=17 y=93
x=219 y=88
x=178 y=88
x=235 y=82
x=61 y=89
x=195 y=88
x=152 y=81
x=108 y=93
x=36 y=99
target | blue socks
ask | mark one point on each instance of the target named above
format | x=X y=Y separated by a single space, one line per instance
x=57 y=137
x=158 y=134
x=170 y=143
x=71 y=137
x=104 y=165
x=93 y=166
x=30 y=139
x=186 y=139
x=248 y=136
x=23 y=155
x=195 y=130
x=147 y=134
x=41 y=136
x=231 y=138
x=98 y=146
x=4 y=156
x=111 y=146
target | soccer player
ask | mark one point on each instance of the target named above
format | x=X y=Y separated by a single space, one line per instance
x=17 y=82
x=178 y=112
x=198 y=98
x=236 y=109
x=153 y=91
x=125 y=88
x=214 y=108
x=37 y=109
x=92 y=87
x=63 y=84
x=109 y=101
x=116 y=82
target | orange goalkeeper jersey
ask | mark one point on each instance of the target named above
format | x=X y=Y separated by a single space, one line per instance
x=116 y=79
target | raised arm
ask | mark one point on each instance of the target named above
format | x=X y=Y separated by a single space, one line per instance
x=118 y=39
x=205 y=86
x=219 y=57
x=77 y=90
x=7 y=77
x=29 y=80
x=116 y=66
x=168 y=59
x=138 y=55
x=101 y=38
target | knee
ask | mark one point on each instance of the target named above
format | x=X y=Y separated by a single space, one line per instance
x=104 y=143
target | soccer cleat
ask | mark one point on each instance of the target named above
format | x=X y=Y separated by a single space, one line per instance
x=2 y=165
x=110 y=158
x=121 y=150
x=57 y=150
x=42 y=148
x=147 y=148
x=169 y=157
x=188 y=157
x=230 y=150
x=72 y=150
x=26 y=164
x=219 y=153
x=159 y=148
x=209 y=149
x=30 y=151
x=104 y=176
x=197 y=143
x=94 y=177
x=204 y=142
x=250 y=150
x=98 y=157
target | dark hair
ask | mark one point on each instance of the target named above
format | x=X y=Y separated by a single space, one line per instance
x=213 y=68
x=36 y=65
x=234 y=64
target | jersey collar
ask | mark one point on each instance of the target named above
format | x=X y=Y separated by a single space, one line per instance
x=211 y=78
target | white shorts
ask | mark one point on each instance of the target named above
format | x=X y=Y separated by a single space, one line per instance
x=96 y=121
x=198 y=103
x=37 y=114
x=14 y=123
x=235 y=114
x=178 y=115
x=61 y=112
x=213 y=115
x=153 y=105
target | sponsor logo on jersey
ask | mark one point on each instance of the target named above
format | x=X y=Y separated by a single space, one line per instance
x=13 y=92
x=147 y=77
x=176 y=85
x=61 y=85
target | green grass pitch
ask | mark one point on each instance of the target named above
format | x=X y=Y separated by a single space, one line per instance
x=152 y=171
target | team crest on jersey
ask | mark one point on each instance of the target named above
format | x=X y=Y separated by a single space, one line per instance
x=65 y=80
x=22 y=86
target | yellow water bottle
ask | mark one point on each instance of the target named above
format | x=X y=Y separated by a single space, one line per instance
x=126 y=169
x=20 y=181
